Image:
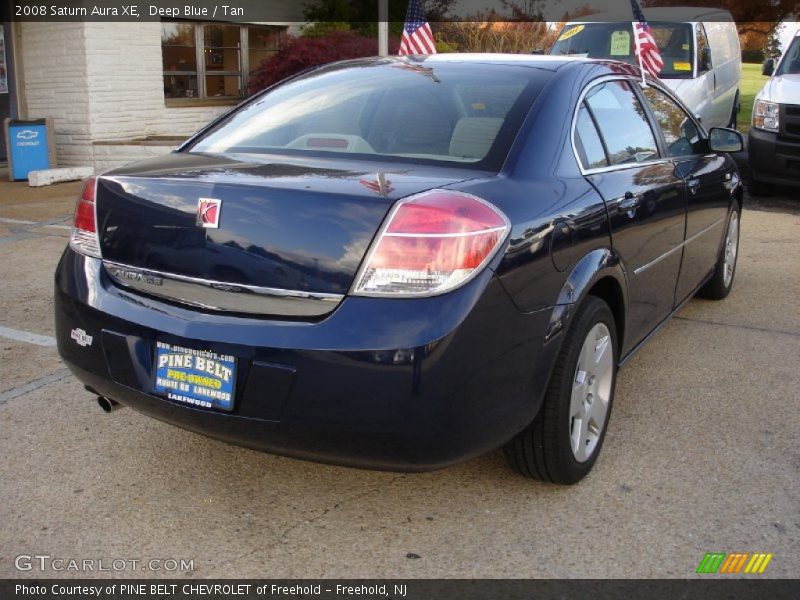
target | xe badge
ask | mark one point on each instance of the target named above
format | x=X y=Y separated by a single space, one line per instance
x=208 y=210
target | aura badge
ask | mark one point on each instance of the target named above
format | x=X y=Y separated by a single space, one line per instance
x=208 y=212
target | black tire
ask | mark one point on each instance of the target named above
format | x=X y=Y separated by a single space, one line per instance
x=758 y=188
x=719 y=286
x=543 y=450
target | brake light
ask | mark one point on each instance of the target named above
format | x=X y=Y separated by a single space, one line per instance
x=431 y=244
x=84 y=238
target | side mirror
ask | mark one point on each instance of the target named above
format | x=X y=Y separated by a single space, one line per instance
x=768 y=68
x=705 y=59
x=725 y=140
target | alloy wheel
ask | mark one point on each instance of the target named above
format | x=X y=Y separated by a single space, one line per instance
x=731 y=249
x=591 y=392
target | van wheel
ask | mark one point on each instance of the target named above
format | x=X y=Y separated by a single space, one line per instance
x=721 y=282
x=564 y=440
x=758 y=188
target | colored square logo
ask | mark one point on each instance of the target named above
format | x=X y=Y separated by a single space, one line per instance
x=208 y=212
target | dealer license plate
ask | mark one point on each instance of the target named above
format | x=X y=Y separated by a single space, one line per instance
x=195 y=377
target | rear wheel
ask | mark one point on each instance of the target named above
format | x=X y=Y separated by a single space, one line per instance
x=564 y=440
x=721 y=282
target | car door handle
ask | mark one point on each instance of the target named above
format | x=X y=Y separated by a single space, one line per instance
x=629 y=202
x=693 y=184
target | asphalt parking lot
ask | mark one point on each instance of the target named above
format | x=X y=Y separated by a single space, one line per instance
x=702 y=455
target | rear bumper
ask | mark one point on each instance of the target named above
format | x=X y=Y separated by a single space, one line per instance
x=773 y=159
x=379 y=383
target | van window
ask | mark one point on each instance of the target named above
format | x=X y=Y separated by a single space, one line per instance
x=622 y=122
x=703 y=64
x=680 y=132
x=615 y=41
x=791 y=62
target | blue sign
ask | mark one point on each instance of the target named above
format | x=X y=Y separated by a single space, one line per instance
x=28 y=145
x=197 y=377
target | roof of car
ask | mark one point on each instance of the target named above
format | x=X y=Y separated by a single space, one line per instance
x=543 y=61
x=540 y=61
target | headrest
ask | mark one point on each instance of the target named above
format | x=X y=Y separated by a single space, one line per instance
x=473 y=136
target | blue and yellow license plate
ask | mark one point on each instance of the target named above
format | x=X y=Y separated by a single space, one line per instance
x=195 y=377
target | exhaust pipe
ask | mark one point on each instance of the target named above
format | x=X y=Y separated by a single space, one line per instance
x=107 y=404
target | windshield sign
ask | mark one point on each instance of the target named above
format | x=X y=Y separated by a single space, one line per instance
x=615 y=41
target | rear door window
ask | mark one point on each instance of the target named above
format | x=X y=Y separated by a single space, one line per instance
x=622 y=122
x=588 y=142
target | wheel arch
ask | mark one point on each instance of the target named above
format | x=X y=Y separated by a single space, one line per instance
x=609 y=290
x=599 y=273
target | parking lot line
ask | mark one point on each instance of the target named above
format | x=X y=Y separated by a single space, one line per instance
x=27 y=337
x=33 y=385
x=737 y=326
x=16 y=221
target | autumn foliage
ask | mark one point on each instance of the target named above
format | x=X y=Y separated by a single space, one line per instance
x=300 y=53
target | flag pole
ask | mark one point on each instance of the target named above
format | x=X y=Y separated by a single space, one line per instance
x=638 y=53
x=383 y=27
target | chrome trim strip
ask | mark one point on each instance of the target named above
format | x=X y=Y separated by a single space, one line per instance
x=220 y=295
x=678 y=247
x=445 y=235
x=658 y=259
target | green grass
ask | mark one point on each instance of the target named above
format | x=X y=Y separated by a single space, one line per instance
x=750 y=84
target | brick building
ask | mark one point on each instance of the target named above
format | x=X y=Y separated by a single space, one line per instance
x=118 y=92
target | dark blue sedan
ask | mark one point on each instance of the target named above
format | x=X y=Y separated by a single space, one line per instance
x=402 y=263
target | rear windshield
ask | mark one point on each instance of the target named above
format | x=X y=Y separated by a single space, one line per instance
x=453 y=113
x=615 y=41
x=790 y=65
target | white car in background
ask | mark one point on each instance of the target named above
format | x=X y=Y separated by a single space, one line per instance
x=774 y=139
x=699 y=47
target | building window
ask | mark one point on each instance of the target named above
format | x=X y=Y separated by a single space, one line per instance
x=212 y=61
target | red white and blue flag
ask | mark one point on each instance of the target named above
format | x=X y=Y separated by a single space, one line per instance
x=646 y=48
x=417 y=35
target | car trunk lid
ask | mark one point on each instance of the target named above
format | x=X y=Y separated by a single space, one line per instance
x=280 y=237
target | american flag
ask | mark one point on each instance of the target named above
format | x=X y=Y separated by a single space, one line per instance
x=646 y=48
x=417 y=35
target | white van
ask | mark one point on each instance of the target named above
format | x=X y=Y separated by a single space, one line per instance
x=699 y=47
x=774 y=138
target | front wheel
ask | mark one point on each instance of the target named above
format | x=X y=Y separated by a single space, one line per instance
x=721 y=282
x=564 y=440
x=758 y=188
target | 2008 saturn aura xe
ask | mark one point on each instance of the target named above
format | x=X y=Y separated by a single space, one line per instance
x=402 y=263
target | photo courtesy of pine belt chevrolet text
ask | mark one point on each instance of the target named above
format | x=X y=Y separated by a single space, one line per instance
x=402 y=263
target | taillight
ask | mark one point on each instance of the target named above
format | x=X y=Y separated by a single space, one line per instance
x=84 y=227
x=431 y=244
